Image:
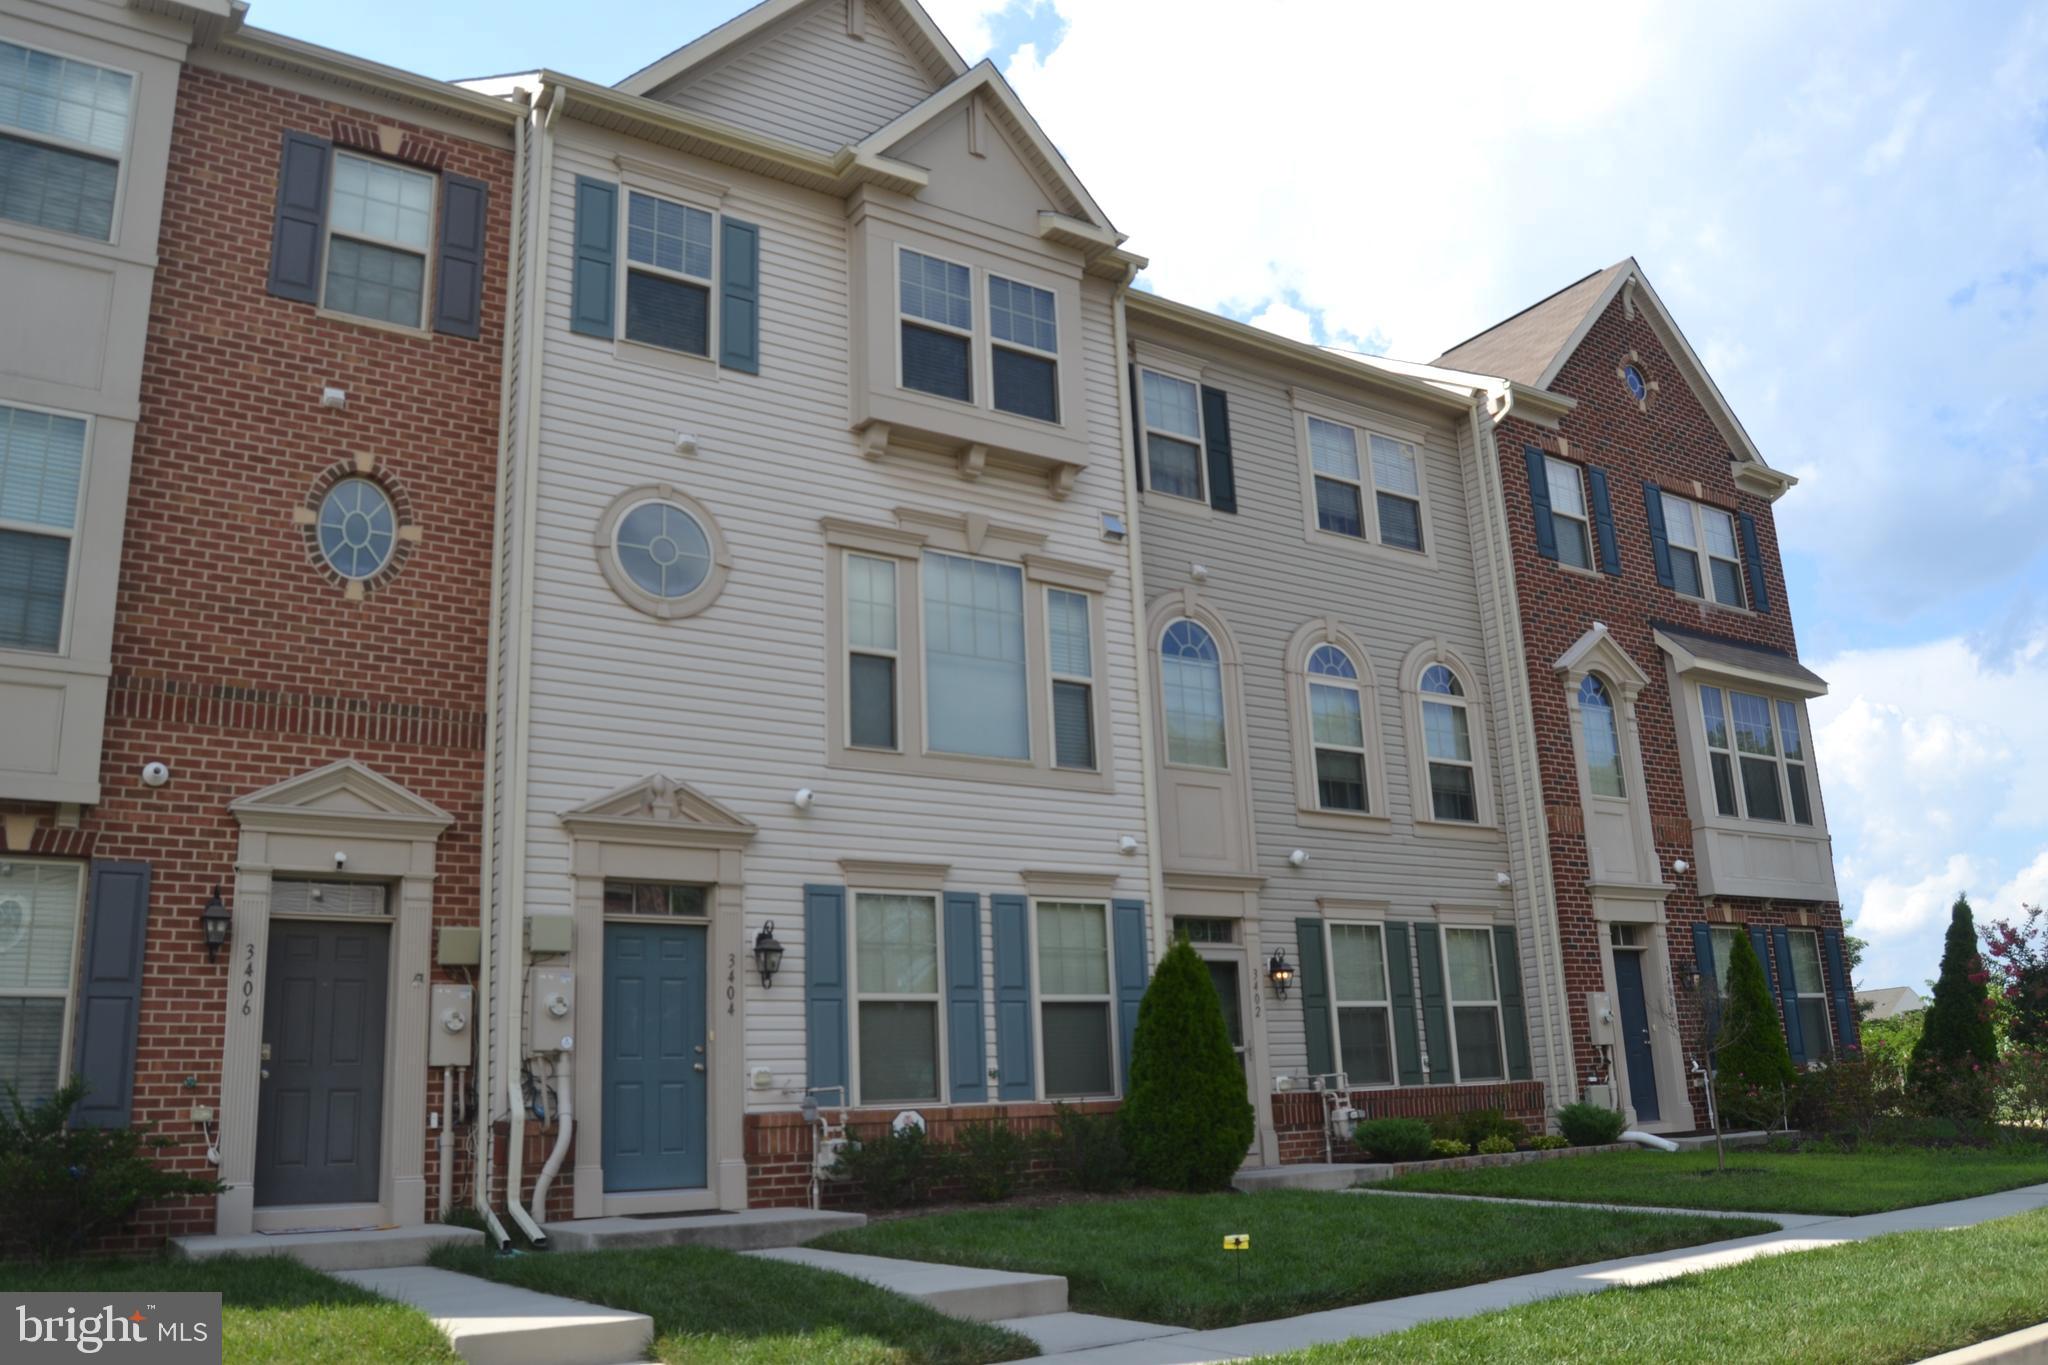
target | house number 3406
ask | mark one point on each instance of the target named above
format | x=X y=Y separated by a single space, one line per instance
x=731 y=974
x=248 y=977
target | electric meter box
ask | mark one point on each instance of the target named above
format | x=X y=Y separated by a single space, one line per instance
x=458 y=946
x=550 y=933
x=450 y=1018
x=551 y=1005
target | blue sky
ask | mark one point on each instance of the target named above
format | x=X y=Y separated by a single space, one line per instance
x=1846 y=206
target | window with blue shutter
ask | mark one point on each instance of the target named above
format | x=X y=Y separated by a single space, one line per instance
x=1660 y=540
x=966 y=1039
x=1539 y=501
x=1844 y=992
x=1010 y=923
x=1759 y=592
x=1513 y=1020
x=592 y=283
x=1603 y=520
x=299 y=231
x=1133 y=970
x=739 y=296
x=1788 y=994
x=110 y=993
x=459 y=276
x=1216 y=442
x=825 y=988
x=1436 y=1025
x=1709 y=983
x=1401 y=984
x=1315 y=995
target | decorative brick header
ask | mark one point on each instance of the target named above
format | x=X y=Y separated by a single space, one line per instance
x=225 y=706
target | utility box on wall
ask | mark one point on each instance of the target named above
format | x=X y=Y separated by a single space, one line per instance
x=551 y=1001
x=546 y=933
x=448 y=1024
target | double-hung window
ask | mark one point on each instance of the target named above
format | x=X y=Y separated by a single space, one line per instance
x=1363 y=1003
x=1756 y=751
x=871 y=653
x=380 y=222
x=896 y=984
x=1475 y=1004
x=1342 y=485
x=42 y=459
x=1447 y=743
x=1074 y=999
x=1568 y=519
x=1173 y=435
x=668 y=274
x=1723 y=937
x=936 y=301
x=1811 y=989
x=39 y=910
x=1191 y=684
x=1024 y=349
x=1337 y=730
x=976 y=693
x=1070 y=655
x=1703 y=553
x=63 y=134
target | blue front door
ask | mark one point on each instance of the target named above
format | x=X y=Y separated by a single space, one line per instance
x=1635 y=1035
x=655 y=1114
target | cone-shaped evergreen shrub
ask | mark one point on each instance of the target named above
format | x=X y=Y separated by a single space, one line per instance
x=1951 y=1069
x=1187 y=1120
x=1753 y=1065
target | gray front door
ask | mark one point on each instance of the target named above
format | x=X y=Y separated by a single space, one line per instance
x=1635 y=1035
x=320 y=1111
x=656 y=1113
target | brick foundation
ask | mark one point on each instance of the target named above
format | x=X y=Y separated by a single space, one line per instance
x=1298 y=1115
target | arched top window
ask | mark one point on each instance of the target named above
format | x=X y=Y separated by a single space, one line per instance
x=1603 y=737
x=1337 y=731
x=1439 y=679
x=1447 y=744
x=1191 y=686
x=1331 y=662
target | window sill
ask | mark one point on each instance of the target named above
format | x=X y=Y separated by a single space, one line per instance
x=29 y=233
x=372 y=324
x=1357 y=822
x=662 y=358
x=1710 y=607
x=1004 y=772
x=1373 y=549
x=1447 y=829
x=1575 y=571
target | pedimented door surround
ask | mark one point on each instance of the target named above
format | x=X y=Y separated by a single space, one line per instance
x=296 y=828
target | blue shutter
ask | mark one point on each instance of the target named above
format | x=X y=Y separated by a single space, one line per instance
x=1603 y=520
x=1539 y=502
x=1710 y=992
x=1759 y=592
x=597 y=246
x=1216 y=440
x=110 y=993
x=1514 y=1024
x=1407 y=1047
x=1788 y=995
x=1436 y=1019
x=1010 y=922
x=1760 y=939
x=1844 y=993
x=1660 y=540
x=300 y=229
x=739 y=296
x=1315 y=996
x=459 y=278
x=966 y=1039
x=1133 y=970
x=825 y=987
x=1137 y=431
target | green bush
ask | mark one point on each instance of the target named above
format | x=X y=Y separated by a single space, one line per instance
x=1951 y=1069
x=895 y=1169
x=1754 y=1071
x=1548 y=1142
x=1087 y=1150
x=64 y=1187
x=990 y=1159
x=1590 y=1125
x=1474 y=1126
x=1846 y=1098
x=1187 y=1119
x=1496 y=1145
x=1394 y=1139
x=1447 y=1147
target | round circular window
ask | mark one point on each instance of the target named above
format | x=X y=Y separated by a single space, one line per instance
x=357 y=528
x=1633 y=377
x=661 y=551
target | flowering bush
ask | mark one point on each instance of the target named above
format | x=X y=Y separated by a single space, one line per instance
x=2018 y=958
x=2021 y=1080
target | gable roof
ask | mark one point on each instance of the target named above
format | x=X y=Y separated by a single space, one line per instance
x=941 y=60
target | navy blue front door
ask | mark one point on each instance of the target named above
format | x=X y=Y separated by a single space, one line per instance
x=1635 y=1035
x=655 y=1114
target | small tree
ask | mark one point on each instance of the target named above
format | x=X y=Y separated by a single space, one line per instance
x=1187 y=1119
x=1951 y=1070
x=1752 y=1065
x=2018 y=953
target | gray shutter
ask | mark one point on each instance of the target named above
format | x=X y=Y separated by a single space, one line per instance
x=459 y=277
x=1710 y=992
x=1216 y=441
x=597 y=247
x=1539 y=502
x=1514 y=1023
x=1401 y=977
x=1132 y=972
x=1788 y=995
x=300 y=230
x=739 y=296
x=1660 y=540
x=1436 y=1019
x=1603 y=520
x=1759 y=591
x=110 y=993
x=966 y=1039
x=1137 y=431
x=1010 y=922
x=825 y=987
x=1845 y=995
x=1315 y=996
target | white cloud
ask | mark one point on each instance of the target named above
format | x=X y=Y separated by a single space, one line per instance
x=2029 y=887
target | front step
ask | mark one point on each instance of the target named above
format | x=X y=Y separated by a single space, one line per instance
x=750 y=1230
x=500 y=1324
x=356 y=1249
x=956 y=1290
x=1305 y=1175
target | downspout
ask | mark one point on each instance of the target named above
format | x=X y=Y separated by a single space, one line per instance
x=565 y=1128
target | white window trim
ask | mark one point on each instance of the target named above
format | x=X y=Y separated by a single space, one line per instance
x=427 y=254
x=68 y=992
x=1614 y=718
x=993 y=343
x=1032 y=733
x=1698 y=549
x=1820 y=966
x=1054 y=677
x=1422 y=795
x=72 y=534
x=1039 y=999
x=937 y=999
x=1231 y=741
x=1393 y=1082
x=712 y=205
x=1452 y=1005
x=1201 y=498
x=605 y=541
x=1711 y=802
x=1301 y=726
x=1585 y=523
x=1364 y=424
x=895 y=655
x=977 y=328
x=122 y=160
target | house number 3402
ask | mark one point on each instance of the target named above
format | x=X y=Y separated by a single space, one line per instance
x=731 y=974
x=248 y=977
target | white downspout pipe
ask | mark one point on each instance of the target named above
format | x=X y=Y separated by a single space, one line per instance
x=1649 y=1140
x=565 y=1128
x=443 y=1144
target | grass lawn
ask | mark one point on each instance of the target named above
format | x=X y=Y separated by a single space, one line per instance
x=1162 y=1259
x=1893 y=1299
x=273 y=1308
x=711 y=1305
x=1872 y=1180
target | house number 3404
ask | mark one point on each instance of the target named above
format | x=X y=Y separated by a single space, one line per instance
x=248 y=977
x=731 y=975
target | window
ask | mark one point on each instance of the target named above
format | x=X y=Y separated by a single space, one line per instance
x=1568 y=513
x=1766 y=761
x=1447 y=741
x=1692 y=528
x=1173 y=435
x=1073 y=689
x=871 y=652
x=1812 y=992
x=1363 y=1002
x=663 y=550
x=1633 y=378
x=63 y=132
x=1074 y=1001
x=1603 y=738
x=1723 y=936
x=668 y=274
x=42 y=458
x=1024 y=349
x=1795 y=763
x=380 y=219
x=655 y=898
x=1195 y=930
x=1475 y=1004
x=39 y=905
x=974 y=666
x=1337 y=730
x=1341 y=486
x=937 y=305
x=1718 y=757
x=896 y=980
x=1191 y=682
x=357 y=528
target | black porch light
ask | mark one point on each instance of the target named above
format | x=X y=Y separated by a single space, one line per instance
x=1281 y=973
x=767 y=954
x=214 y=921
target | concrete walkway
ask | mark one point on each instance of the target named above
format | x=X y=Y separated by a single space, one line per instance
x=501 y=1324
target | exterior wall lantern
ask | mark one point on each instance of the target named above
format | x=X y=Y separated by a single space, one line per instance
x=1281 y=973
x=767 y=954
x=214 y=921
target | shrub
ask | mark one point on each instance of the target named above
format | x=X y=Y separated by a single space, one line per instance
x=1951 y=1068
x=2022 y=1080
x=1753 y=1067
x=1496 y=1145
x=2019 y=960
x=895 y=1169
x=1187 y=1119
x=1847 y=1097
x=990 y=1160
x=1447 y=1147
x=1087 y=1150
x=1395 y=1139
x=1474 y=1126
x=1590 y=1125
x=64 y=1186
x=1548 y=1142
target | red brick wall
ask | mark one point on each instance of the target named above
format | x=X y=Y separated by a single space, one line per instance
x=236 y=660
x=1300 y=1121
x=1675 y=445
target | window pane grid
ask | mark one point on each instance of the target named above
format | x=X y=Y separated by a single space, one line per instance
x=374 y=281
x=39 y=907
x=936 y=291
x=668 y=236
x=61 y=98
x=1073 y=949
x=1339 y=478
x=63 y=191
x=1022 y=315
x=897 y=940
x=41 y=456
x=663 y=550
x=1603 y=738
x=1191 y=683
x=1475 y=1012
